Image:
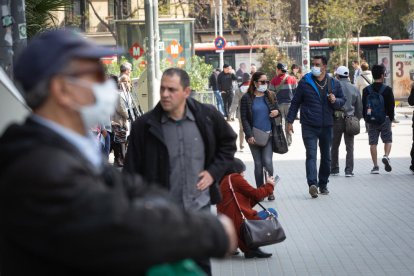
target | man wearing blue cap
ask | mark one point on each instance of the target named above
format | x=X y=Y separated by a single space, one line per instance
x=63 y=211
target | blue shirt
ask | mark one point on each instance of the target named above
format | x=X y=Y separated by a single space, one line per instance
x=261 y=111
x=88 y=146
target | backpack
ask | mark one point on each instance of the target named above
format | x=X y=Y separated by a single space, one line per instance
x=375 y=106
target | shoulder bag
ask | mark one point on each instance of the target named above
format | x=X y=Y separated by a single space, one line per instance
x=256 y=233
x=261 y=137
x=279 y=143
x=352 y=126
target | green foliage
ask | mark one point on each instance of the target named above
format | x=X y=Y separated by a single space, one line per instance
x=199 y=72
x=39 y=14
x=271 y=57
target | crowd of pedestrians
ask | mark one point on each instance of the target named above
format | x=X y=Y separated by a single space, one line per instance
x=72 y=213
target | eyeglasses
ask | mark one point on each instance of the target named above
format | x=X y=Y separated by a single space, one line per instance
x=97 y=72
x=263 y=82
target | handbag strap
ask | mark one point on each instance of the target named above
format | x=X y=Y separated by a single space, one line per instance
x=235 y=198
x=237 y=202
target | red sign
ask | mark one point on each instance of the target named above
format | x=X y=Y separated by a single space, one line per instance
x=175 y=49
x=136 y=51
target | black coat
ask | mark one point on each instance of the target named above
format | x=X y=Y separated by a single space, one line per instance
x=59 y=216
x=246 y=113
x=148 y=154
x=411 y=101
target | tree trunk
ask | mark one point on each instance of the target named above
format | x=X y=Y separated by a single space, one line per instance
x=101 y=20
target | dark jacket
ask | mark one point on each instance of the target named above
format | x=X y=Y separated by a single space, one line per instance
x=148 y=154
x=411 y=100
x=59 y=216
x=246 y=112
x=212 y=82
x=388 y=95
x=315 y=110
x=225 y=81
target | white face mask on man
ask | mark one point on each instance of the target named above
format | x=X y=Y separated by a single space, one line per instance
x=106 y=95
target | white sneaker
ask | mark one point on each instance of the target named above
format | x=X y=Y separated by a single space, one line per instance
x=387 y=163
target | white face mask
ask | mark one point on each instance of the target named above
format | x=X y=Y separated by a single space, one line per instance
x=106 y=95
x=316 y=71
x=244 y=88
x=262 y=88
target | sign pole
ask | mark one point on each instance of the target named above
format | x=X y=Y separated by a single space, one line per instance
x=305 y=35
x=221 y=30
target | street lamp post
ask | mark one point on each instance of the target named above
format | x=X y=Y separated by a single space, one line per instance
x=150 y=53
x=19 y=25
x=305 y=35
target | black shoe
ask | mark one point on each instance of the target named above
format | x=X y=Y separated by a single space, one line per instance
x=412 y=168
x=271 y=197
x=349 y=174
x=235 y=253
x=335 y=171
x=256 y=253
x=324 y=191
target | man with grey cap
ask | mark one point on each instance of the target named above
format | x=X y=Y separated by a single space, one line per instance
x=63 y=211
x=352 y=107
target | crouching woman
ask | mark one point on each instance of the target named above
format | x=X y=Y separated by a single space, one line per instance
x=247 y=196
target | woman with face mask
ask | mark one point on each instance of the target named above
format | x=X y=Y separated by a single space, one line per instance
x=258 y=107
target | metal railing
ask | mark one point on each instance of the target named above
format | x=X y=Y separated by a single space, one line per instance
x=206 y=97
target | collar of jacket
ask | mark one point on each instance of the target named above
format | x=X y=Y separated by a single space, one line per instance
x=308 y=79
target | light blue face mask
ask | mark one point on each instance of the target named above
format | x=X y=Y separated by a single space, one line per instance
x=262 y=88
x=316 y=71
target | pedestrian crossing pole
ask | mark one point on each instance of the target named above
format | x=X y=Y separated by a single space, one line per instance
x=305 y=36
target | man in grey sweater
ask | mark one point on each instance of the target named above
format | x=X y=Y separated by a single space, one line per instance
x=352 y=107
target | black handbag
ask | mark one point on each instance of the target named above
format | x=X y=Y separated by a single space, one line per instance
x=352 y=126
x=256 y=233
x=279 y=143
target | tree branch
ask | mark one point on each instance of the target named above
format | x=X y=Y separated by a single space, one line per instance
x=101 y=20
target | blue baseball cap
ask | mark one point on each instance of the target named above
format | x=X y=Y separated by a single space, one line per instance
x=47 y=53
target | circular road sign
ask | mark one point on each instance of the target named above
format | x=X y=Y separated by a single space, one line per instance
x=219 y=43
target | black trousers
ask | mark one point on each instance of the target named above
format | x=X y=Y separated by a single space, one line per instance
x=227 y=100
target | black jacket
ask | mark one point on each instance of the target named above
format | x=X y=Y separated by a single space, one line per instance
x=59 y=216
x=212 y=82
x=246 y=112
x=225 y=81
x=148 y=154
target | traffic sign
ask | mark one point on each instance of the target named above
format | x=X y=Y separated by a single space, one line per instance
x=136 y=51
x=175 y=49
x=219 y=43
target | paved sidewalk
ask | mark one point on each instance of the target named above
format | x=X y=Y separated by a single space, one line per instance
x=364 y=227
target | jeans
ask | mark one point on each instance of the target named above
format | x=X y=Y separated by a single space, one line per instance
x=338 y=130
x=107 y=147
x=219 y=102
x=264 y=215
x=227 y=100
x=284 y=110
x=310 y=136
x=262 y=157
